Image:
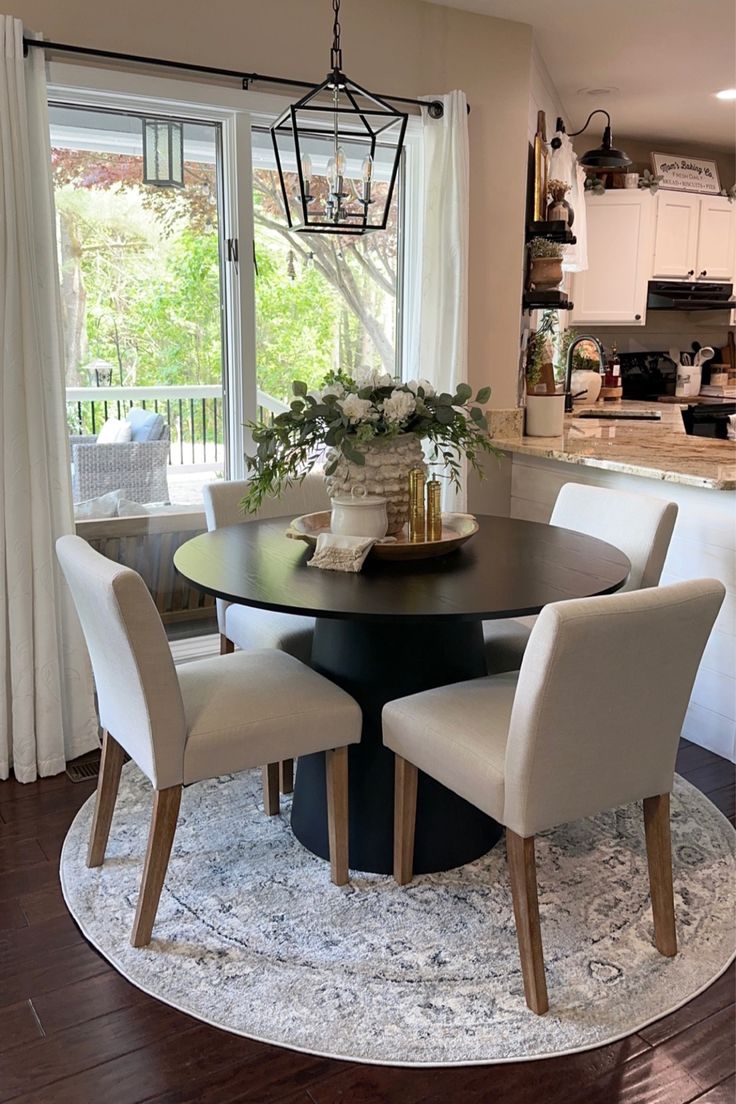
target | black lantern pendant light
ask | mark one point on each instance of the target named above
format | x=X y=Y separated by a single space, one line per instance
x=331 y=147
x=606 y=156
x=163 y=153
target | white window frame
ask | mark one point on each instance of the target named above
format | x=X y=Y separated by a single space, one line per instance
x=236 y=111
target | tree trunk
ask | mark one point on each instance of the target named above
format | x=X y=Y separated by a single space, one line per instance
x=73 y=302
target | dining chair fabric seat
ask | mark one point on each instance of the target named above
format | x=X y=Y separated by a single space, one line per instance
x=640 y=525
x=251 y=629
x=211 y=717
x=591 y=721
x=250 y=708
x=245 y=627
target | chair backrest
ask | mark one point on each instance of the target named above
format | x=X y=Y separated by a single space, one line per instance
x=222 y=507
x=138 y=693
x=601 y=698
x=640 y=525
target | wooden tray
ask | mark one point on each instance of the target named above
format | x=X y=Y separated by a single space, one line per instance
x=456 y=530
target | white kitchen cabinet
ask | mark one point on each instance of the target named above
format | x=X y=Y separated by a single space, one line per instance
x=715 y=252
x=676 y=238
x=694 y=237
x=613 y=290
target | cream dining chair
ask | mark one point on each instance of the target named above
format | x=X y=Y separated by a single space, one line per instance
x=590 y=722
x=245 y=627
x=640 y=525
x=209 y=718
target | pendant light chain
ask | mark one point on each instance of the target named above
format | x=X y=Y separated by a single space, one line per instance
x=336 y=47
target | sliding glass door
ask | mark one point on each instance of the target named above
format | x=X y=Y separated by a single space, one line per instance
x=141 y=284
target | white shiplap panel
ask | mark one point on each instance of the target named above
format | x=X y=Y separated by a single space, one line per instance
x=710 y=730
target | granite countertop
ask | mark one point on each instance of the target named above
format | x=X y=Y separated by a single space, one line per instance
x=655 y=450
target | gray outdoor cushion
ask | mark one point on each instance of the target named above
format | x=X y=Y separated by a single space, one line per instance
x=145 y=425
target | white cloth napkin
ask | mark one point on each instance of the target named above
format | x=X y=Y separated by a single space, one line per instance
x=337 y=553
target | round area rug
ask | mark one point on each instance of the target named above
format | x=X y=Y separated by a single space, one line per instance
x=252 y=936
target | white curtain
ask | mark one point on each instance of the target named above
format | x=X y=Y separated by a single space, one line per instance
x=46 y=704
x=438 y=312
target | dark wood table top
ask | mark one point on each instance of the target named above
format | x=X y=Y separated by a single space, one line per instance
x=510 y=568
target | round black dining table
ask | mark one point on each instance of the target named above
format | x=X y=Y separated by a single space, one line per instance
x=393 y=629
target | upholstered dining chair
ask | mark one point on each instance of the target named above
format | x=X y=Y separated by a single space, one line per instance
x=247 y=628
x=211 y=717
x=640 y=525
x=590 y=722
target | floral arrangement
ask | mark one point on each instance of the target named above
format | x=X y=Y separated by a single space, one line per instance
x=557 y=189
x=349 y=413
x=545 y=247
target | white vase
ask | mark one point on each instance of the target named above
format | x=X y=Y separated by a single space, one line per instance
x=545 y=415
x=587 y=381
x=385 y=473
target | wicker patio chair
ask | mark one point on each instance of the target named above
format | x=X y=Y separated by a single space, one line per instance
x=137 y=468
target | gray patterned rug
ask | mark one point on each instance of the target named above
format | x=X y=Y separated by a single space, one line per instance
x=252 y=936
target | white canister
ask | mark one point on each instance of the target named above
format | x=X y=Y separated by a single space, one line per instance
x=545 y=415
x=359 y=515
x=631 y=180
x=586 y=381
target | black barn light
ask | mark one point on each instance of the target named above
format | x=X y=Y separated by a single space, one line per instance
x=331 y=143
x=163 y=153
x=606 y=156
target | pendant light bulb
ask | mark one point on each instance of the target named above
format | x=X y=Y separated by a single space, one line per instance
x=339 y=161
x=307 y=168
x=367 y=169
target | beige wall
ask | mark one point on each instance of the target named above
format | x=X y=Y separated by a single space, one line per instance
x=640 y=151
x=400 y=47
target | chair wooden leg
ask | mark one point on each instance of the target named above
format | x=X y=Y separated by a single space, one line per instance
x=337 y=813
x=226 y=646
x=271 y=803
x=405 y=816
x=108 y=782
x=523 y=873
x=659 y=858
x=286 y=776
x=160 y=838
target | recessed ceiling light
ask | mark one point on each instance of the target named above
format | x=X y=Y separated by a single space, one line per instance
x=726 y=94
x=609 y=91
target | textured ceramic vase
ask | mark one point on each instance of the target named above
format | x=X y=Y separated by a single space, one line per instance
x=385 y=472
x=546 y=273
x=587 y=381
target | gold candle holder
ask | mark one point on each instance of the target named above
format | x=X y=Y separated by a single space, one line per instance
x=417 y=479
x=434 y=512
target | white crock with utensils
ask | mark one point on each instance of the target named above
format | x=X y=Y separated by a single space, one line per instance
x=359 y=515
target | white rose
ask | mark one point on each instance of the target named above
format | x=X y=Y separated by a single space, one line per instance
x=335 y=389
x=385 y=379
x=357 y=410
x=365 y=377
x=425 y=385
x=399 y=406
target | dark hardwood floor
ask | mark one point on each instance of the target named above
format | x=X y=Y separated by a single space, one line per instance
x=72 y=1031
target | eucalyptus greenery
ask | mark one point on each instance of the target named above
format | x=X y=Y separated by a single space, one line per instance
x=349 y=414
x=649 y=180
x=540 y=349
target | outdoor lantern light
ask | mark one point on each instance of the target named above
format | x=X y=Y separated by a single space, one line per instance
x=332 y=146
x=163 y=153
x=606 y=156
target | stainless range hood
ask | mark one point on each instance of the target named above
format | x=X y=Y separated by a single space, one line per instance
x=682 y=296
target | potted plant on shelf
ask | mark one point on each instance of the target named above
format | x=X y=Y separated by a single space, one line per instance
x=368 y=428
x=545 y=272
x=545 y=404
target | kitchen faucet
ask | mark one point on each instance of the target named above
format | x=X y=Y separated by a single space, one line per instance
x=568 y=370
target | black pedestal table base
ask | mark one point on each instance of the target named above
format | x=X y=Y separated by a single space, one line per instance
x=377 y=662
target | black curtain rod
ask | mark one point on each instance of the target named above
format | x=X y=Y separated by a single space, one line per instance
x=435 y=107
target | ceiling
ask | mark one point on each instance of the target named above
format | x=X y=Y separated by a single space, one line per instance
x=665 y=57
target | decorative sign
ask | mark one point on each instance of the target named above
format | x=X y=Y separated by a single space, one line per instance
x=686 y=174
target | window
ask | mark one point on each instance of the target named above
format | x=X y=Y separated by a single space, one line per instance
x=321 y=301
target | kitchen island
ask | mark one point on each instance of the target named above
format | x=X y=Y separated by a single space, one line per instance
x=653 y=458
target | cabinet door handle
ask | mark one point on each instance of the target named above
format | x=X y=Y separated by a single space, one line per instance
x=637 y=318
x=704 y=272
x=691 y=272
